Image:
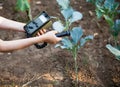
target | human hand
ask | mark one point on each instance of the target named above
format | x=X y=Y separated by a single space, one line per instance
x=51 y=38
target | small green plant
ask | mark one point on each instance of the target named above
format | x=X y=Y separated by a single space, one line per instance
x=76 y=41
x=70 y=15
x=114 y=51
x=106 y=9
x=24 y=5
x=109 y=10
x=115 y=31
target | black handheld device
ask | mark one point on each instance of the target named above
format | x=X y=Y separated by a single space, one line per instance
x=41 y=21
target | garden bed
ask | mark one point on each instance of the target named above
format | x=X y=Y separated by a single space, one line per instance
x=51 y=67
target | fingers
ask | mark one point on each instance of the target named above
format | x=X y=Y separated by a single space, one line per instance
x=59 y=39
x=51 y=37
x=55 y=31
x=38 y=33
x=41 y=32
x=44 y=30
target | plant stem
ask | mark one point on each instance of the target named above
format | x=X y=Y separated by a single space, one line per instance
x=29 y=14
x=115 y=39
x=76 y=65
x=67 y=25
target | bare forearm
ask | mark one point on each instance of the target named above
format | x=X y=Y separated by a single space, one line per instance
x=7 y=46
x=7 y=24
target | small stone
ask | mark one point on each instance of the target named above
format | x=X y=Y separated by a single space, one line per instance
x=95 y=34
x=9 y=53
x=1 y=7
x=91 y=13
x=38 y=2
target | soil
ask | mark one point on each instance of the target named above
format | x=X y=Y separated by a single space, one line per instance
x=53 y=67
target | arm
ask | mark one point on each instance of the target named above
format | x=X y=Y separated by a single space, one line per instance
x=6 y=46
x=7 y=24
x=49 y=37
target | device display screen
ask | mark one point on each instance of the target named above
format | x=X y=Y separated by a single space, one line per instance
x=43 y=18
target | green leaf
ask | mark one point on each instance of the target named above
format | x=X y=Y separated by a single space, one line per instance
x=76 y=33
x=75 y=17
x=109 y=20
x=58 y=26
x=116 y=28
x=113 y=50
x=84 y=40
x=63 y=3
x=117 y=24
x=108 y=3
x=115 y=6
x=91 y=1
x=99 y=13
x=89 y=37
x=67 y=13
x=111 y=5
x=99 y=2
x=57 y=45
x=66 y=44
x=101 y=9
x=22 y=5
x=118 y=11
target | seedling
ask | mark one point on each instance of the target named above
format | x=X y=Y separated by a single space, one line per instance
x=24 y=5
x=115 y=31
x=109 y=10
x=76 y=41
x=70 y=15
x=106 y=9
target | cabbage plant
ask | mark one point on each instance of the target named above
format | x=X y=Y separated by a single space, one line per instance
x=76 y=39
x=109 y=10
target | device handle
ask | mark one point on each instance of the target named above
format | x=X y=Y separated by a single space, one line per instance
x=62 y=34
x=40 y=46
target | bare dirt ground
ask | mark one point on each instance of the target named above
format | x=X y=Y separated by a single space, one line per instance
x=53 y=67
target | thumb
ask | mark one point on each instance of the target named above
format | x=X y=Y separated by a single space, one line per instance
x=59 y=39
x=55 y=31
